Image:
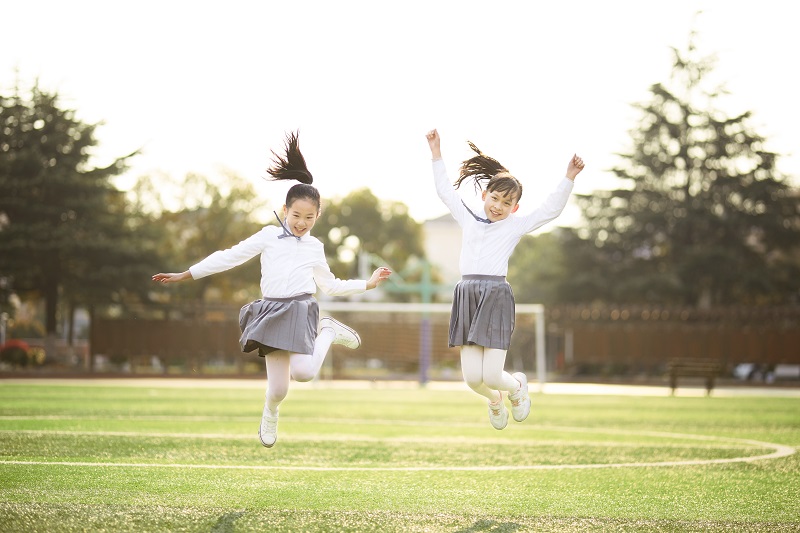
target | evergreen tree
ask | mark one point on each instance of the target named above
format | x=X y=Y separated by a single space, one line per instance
x=64 y=227
x=703 y=217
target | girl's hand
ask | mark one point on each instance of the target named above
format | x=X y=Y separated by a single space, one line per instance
x=434 y=143
x=380 y=274
x=575 y=166
x=172 y=277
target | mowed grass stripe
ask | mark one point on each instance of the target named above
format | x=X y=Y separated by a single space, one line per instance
x=311 y=437
x=373 y=453
x=498 y=468
x=781 y=451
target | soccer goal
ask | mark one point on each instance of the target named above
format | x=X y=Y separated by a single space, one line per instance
x=406 y=341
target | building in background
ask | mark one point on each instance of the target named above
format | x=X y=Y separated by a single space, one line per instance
x=443 y=246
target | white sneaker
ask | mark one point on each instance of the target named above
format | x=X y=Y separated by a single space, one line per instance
x=520 y=401
x=498 y=414
x=268 y=430
x=345 y=335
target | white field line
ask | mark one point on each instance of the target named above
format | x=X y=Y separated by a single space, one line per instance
x=779 y=450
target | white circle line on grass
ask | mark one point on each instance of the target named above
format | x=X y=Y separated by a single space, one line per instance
x=779 y=450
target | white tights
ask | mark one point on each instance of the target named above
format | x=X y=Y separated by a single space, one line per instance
x=282 y=365
x=483 y=371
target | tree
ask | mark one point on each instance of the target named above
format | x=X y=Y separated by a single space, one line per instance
x=64 y=227
x=361 y=222
x=703 y=216
x=5 y=295
x=212 y=217
x=537 y=269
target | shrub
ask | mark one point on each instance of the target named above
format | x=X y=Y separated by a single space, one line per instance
x=15 y=352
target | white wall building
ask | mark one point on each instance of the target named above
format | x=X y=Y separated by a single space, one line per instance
x=443 y=246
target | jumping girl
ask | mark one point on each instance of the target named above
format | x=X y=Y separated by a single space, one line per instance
x=482 y=317
x=284 y=325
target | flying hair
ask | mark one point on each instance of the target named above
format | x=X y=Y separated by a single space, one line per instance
x=292 y=165
x=481 y=168
x=478 y=168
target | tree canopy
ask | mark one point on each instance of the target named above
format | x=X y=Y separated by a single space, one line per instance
x=537 y=268
x=362 y=222
x=703 y=216
x=211 y=217
x=65 y=229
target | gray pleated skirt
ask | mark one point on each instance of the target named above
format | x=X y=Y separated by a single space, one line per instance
x=272 y=324
x=483 y=312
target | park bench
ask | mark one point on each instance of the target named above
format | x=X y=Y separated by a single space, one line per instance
x=703 y=368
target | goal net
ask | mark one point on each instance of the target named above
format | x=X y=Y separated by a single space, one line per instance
x=408 y=341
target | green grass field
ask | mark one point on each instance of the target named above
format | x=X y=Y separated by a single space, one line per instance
x=176 y=455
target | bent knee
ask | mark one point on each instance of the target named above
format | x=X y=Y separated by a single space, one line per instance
x=495 y=383
x=474 y=384
x=302 y=375
x=276 y=396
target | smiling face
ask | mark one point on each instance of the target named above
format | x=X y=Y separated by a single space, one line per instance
x=301 y=216
x=499 y=205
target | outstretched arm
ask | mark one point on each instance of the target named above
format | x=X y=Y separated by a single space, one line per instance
x=380 y=274
x=574 y=168
x=173 y=277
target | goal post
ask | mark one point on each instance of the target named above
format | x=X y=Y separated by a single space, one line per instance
x=404 y=339
x=537 y=310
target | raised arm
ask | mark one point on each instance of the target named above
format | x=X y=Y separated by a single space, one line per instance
x=574 y=167
x=554 y=204
x=444 y=187
x=435 y=144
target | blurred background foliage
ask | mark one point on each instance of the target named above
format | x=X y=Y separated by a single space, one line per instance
x=360 y=222
x=702 y=217
x=67 y=234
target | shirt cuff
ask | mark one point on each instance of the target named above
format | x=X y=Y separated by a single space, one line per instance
x=196 y=272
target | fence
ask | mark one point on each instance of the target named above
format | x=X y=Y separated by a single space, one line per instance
x=645 y=339
x=579 y=340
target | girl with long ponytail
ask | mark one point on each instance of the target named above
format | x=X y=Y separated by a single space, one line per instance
x=284 y=326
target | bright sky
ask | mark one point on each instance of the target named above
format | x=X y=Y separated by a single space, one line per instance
x=212 y=86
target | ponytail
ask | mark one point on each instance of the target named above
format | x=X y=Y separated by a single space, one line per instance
x=484 y=168
x=292 y=166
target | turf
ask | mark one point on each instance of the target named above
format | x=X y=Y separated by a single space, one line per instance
x=150 y=456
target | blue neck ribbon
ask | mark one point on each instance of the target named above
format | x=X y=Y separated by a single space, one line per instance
x=479 y=219
x=286 y=232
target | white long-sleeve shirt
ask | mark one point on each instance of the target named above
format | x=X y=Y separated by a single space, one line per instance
x=289 y=266
x=486 y=248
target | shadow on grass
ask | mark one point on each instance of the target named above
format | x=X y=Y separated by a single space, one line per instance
x=225 y=523
x=491 y=525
